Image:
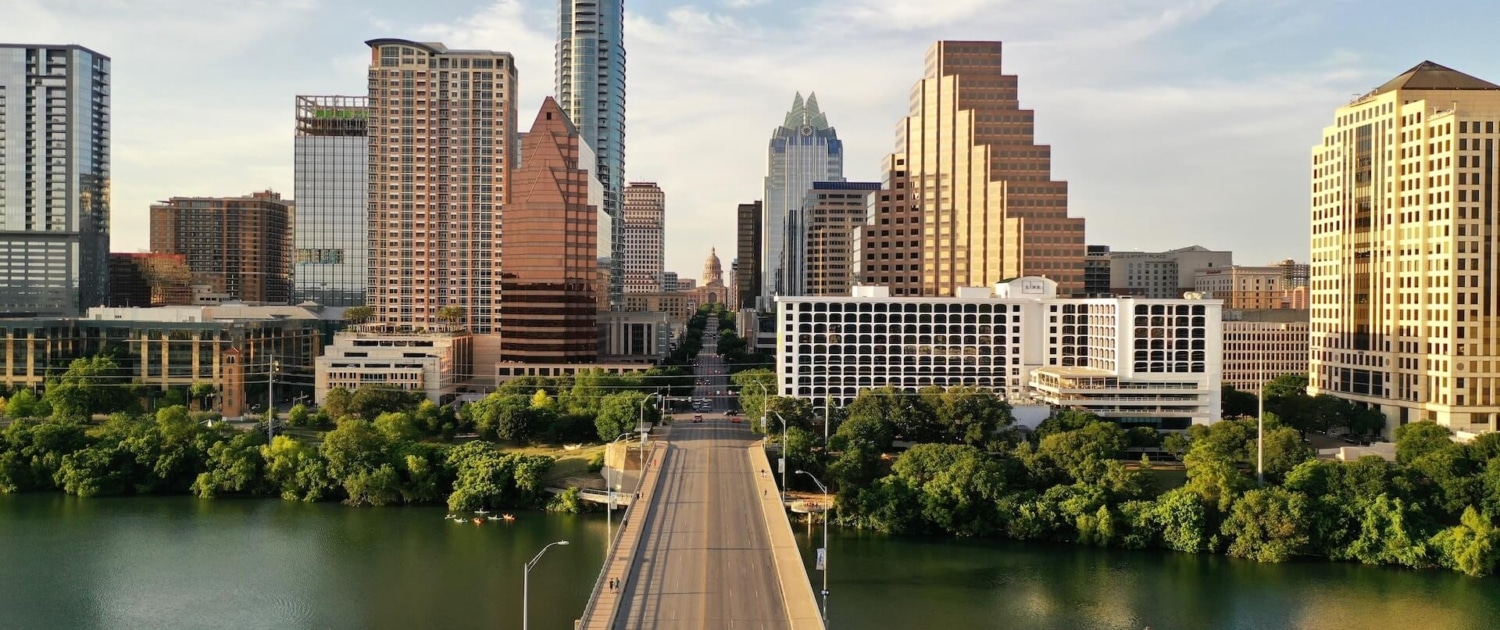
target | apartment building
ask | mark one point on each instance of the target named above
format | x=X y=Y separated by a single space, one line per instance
x=236 y=246
x=1260 y=345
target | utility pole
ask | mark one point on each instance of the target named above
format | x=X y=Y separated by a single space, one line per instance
x=1260 y=420
x=271 y=402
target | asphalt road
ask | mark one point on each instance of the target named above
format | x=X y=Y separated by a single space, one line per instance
x=705 y=558
x=712 y=375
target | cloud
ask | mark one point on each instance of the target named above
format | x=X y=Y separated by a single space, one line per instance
x=744 y=4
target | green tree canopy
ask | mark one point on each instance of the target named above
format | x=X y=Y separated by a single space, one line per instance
x=1420 y=438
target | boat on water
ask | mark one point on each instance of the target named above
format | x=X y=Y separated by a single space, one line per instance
x=478 y=520
x=507 y=517
x=481 y=511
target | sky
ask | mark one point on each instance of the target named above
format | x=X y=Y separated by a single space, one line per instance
x=1175 y=122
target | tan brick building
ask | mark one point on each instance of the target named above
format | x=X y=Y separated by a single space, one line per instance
x=1405 y=317
x=990 y=209
x=238 y=246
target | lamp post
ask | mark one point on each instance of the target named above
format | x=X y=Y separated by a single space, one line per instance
x=823 y=560
x=526 y=585
x=783 y=454
x=1260 y=431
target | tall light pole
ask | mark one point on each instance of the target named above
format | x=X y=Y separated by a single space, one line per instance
x=823 y=555
x=609 y=503
x=1260 y=432
x=271 y=399
x=783 y=456
x=526 y=585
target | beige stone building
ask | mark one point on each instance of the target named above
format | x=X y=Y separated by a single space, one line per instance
x=1241 y=287
x=1260 y=345
x=645 y=245
x=438 y=364
x=443 y=139
x=990 y=208
x=1403 y=256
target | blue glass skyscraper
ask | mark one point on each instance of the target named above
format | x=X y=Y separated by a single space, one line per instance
x=54 y=179
x=590 y=66
x=803 y=150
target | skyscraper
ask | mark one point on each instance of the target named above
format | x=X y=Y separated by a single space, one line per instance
x=442 y=132
x=1403 y=274
x=748 y=253
x=803 y=150
x=590 y=86
x=239 y=246
x=822 y=260
x=645 y=247
x=332 y=188
x=54 y=179
x=989 y=207
x=548 y=313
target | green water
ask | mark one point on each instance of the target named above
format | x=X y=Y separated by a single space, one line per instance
x=183 y=563
x=880 y=581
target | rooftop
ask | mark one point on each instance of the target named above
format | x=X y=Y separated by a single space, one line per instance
x=1431 y=76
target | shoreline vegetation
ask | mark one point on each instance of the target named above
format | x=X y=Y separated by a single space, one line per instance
x=968 y=472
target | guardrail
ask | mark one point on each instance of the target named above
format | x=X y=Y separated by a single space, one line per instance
x=659 y=453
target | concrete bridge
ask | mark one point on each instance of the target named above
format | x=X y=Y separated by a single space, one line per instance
x=709 y=544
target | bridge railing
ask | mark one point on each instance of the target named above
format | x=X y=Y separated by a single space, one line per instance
x=614 y=546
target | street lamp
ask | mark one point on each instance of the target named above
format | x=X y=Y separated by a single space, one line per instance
x=783 y=453
x=526 y=585
x=1260 y=431
x=823 y=557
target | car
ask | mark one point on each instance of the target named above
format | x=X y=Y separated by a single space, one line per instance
x=734 y=419
x=732 y=413
x=698 y=417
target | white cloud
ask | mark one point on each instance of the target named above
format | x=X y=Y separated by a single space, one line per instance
x=744 y=4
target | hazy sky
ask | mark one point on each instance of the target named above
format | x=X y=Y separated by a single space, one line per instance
x=1175 y=122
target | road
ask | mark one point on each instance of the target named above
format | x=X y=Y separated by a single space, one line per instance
x=705 y=559
x=711 y=374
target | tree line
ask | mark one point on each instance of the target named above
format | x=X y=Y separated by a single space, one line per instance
x=1074 y=479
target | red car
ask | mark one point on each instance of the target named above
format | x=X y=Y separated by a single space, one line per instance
x=698 y=417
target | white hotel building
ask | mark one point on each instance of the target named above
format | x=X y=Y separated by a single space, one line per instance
x=1155 y=362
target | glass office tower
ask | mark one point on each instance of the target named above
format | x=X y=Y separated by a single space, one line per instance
x=803 y=150
x=332 y=192
x=54 y=179
x=590 y=73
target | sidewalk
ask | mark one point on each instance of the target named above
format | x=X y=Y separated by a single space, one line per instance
x=796 y=588
x=605 y=603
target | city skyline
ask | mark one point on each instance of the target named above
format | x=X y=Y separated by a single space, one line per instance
x=1180 y=127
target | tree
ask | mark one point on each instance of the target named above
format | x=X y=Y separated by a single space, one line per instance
x=1472 y=546
x=299 y=416
x=451 y=314
x=1083 y=453
x=969 y=415
x=295 y=470
x=356 y=447
x=338 y=403
x=370 y=401
x=359 y=314
x=1237 y=404
x=1269 y=525
x=89 y=386
x=1387 y=536
x=200 y=393
x=753 y=387
x=1420 y=438
x=235 y=466
x=908 y=416
x=23 y=404
x=397 y=427
x=1284 y=451
x=1066 y=420
x=1182 y=521
x=619 y=413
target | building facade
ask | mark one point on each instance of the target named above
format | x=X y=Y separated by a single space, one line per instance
x=54 y=179
x=1260 y=345
x=1403 y=270
x=678 y=305
x=888 y=246
x=590 y=87
x=440 y=364
x=1161 y=275
x=549 y=313
x=1244 y=288
x=645 y=234
x=990 y=209
x=1096 y=271
x=238 y=246
x=230 y=348
x=803 y=150
x=332 y=189
x=820 y=243
x=442 y=137
x=640 y=337
x=146 y=280
x=747 y=272
x=1148 y=362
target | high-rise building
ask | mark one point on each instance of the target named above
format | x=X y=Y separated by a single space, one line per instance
x=332 y=188
x=1403 y=275
x=590 y=87
x=1161 y=275
x=747 y=274
x=1260 y=345
x=549 y=313
x=888 y=246
x=990 y=207
x=54 y=179
x=645 y=245
x=1242 y=287
x=803 y=150
x=238 y=246
x=820 y=253
x=1096 y=271
x=149 y=280
x=668 y=281
x=442 y=137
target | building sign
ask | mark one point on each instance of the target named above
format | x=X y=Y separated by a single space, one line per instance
x=1033 y=287
x=340 y=113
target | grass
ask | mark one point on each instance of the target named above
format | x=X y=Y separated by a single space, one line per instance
x=569 y=463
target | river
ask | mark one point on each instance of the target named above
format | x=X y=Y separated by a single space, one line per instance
x=178 y=562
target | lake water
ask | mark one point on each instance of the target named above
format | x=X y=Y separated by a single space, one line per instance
x=179 y=562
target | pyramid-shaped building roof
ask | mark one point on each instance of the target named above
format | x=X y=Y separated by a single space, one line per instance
x=1431 y=76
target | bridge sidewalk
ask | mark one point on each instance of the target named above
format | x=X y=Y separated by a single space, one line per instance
x=796 y=588
x=605 y=603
